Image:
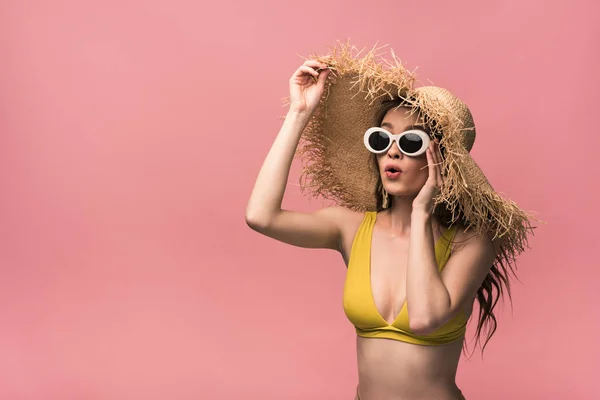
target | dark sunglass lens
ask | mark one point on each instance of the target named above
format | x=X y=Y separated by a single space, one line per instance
x=379 y=141
x=411 y=143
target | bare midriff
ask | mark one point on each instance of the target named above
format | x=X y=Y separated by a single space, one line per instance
x=394 y=370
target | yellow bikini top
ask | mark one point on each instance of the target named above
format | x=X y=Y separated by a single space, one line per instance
x=360 y=307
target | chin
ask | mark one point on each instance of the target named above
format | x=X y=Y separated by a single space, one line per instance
x=399 y=191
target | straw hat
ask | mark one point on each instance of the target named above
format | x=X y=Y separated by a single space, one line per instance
x=337 y=166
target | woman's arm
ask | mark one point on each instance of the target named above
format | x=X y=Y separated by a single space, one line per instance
x=263 y=212
x=434 y=298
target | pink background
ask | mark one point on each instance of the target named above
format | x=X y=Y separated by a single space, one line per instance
x=131 y=132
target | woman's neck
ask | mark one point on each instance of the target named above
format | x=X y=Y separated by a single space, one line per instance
x=399 y=215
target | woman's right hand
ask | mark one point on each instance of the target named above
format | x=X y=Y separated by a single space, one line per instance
x=305 y=93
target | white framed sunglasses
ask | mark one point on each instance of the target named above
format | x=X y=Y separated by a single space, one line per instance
x=413 y=142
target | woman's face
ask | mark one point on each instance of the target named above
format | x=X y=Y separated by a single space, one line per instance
x=408 y=174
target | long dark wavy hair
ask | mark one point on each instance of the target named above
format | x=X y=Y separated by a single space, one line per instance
x=496 y=283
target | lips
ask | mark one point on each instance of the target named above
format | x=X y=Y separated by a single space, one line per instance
x=392 y=168
x=392 y=171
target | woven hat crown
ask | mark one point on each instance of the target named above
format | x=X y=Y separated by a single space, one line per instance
x=455 y=109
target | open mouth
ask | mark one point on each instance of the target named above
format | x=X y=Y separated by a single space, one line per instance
x=392 y=172
x=392 y=169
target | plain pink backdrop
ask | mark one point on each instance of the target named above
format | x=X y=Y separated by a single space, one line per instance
x=131 y=132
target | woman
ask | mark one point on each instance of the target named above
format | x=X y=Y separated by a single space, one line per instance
x=408 y=251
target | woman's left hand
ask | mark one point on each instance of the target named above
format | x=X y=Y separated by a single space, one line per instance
x=424 y=200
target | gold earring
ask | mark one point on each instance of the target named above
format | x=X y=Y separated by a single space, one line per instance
x=386 y=198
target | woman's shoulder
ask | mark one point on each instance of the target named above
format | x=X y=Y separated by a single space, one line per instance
x=465 y=236
x=346 y=219
x=343 y=215
x=348 y=222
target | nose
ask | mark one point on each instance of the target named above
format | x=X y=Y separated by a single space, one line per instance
x=394 y=152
